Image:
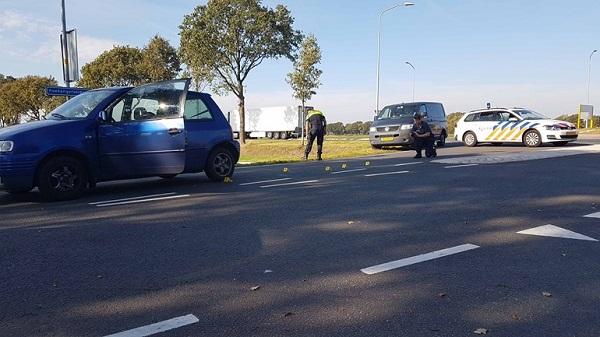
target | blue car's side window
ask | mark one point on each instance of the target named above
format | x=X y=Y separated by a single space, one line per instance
x=196 y=109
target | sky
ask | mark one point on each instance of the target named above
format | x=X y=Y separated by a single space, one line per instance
x=530 y=53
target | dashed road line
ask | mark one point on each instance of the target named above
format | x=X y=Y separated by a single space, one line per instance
x=143 y=200
x=132 y=198
x=291 y=184
x=349 y=171
x=265 y=181
x=556 y=232
x=407 y=164
x=593 y=215
x=159 y=327
x=457 y=166
x=417 y=259
x=386 y=173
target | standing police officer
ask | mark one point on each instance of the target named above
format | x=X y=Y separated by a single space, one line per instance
x=423 y=137
x=316 y=127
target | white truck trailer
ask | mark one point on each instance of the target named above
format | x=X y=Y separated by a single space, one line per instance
x=280 y=122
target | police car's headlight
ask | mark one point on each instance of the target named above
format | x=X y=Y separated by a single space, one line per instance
x=406 y=127
x=6 y=146
x=552 y=127
x=372 y=129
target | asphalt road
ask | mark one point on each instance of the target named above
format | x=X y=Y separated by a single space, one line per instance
x=139 y=252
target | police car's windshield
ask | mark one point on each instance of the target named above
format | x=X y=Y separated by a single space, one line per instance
x=529 y=115
x=398 y=111
x=81 y=105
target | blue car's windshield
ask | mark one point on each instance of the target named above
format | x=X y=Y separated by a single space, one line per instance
x=81 y=105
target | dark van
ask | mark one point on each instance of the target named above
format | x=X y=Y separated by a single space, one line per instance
x=393 y=124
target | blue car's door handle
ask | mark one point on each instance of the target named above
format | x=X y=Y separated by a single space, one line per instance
x=175 y=131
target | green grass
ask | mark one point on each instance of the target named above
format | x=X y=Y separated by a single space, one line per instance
x=260 y=152
x=595 y=131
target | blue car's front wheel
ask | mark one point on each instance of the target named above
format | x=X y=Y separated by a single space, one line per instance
x=62 y=178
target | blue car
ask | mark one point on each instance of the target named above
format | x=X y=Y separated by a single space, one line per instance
x=159 y=129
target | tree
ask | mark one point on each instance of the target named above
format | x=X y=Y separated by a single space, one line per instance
x=452 y=119
x=116 y=67
x=159 y=61
x=25 y=98
x=336 y=128
x=306 y=77
x=230 y=38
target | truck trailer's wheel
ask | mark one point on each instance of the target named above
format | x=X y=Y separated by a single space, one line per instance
x=284 y=135
x=62 y=178
x=220 y=164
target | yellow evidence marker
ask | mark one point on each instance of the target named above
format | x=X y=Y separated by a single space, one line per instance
x=344 y=166
x=367 y=163
x=285 y=170
x=228 y=180
x=327 y=169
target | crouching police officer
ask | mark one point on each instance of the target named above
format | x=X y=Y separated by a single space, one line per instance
x=423 y=137
x=316 y=128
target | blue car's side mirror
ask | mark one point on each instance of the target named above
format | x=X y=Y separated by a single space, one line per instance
x=102 y=116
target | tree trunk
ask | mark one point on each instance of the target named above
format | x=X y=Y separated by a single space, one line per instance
x=242 y=112
x=303 y=122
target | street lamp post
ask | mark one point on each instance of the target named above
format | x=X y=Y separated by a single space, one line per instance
x=590 y=75
x=414 y=78
x=64 y=46
x=405 y=4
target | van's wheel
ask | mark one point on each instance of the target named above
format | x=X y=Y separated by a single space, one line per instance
x=62 y=178
x=532 y=138
x=220 y=164
x=442 y=141
x=470 y=139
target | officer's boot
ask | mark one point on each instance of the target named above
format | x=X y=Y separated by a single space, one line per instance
x=319 y=152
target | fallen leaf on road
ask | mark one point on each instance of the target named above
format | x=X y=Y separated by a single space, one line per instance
x=255 y=288
x=350 y=222
x=442 y=295
x=547 y=294
x=516 y=317
x=288 y=314
x=481 y=331
x=99 y=276
x=268 y=271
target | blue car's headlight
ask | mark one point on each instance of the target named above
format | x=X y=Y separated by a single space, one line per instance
x=6 y=146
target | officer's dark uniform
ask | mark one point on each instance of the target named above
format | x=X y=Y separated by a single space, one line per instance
x=427 y=142
x=317 y=130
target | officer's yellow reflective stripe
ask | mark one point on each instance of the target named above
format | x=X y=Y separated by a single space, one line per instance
x=313 y=113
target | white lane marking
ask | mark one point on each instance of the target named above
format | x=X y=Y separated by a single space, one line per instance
x=291 y=184
x=265 y=181
x=556 y=232
x=133 y=198
x=406 y=164
x=417 y=259
x=159 y=327
x=386 y=173
x=593 y=215
x=143 y=200
x=348 y=171
x=457 y=166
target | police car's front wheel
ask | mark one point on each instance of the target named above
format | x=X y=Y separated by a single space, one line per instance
x=470 y=139
x=532 y=138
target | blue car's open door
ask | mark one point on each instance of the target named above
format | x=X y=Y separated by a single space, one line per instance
x=144 y=132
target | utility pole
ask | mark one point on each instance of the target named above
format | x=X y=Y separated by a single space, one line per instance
x=65 y=52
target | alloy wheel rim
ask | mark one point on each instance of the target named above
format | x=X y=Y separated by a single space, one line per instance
x=532 y=138
x=470 y=139
x=222 y=164
x=64 y=179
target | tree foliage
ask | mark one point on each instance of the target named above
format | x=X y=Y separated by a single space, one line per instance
x=453 y=119
x=306 y=77
x=230 y=38
x=25 y=99
x=129 y=66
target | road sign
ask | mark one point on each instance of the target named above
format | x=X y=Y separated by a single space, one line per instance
x=64 y=91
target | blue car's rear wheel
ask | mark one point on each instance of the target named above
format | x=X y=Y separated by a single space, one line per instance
x=62 y=178
x=220 y=164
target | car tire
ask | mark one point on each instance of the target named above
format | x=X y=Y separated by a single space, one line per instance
x=532 y=138
x=442 y=141
x=470 y=139
x=62 y=178
x=220 y=164
x=560 y=143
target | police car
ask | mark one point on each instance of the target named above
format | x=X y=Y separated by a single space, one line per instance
x=514 y=125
